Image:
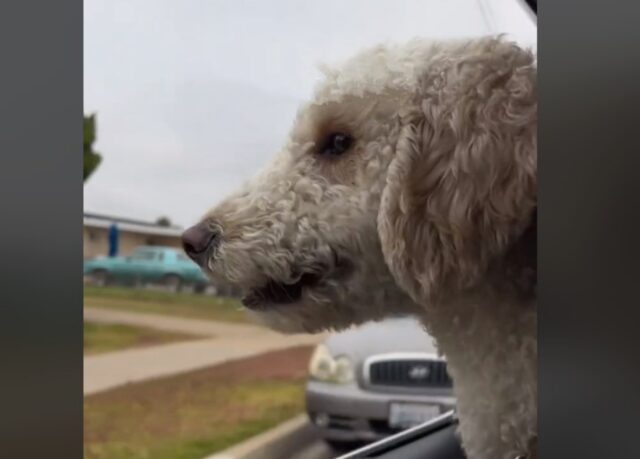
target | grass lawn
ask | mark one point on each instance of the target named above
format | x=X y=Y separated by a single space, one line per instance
x=100 y=338
x=158 y=302
x=194 y=414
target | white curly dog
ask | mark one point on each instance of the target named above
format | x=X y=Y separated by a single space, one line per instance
x=407 y=186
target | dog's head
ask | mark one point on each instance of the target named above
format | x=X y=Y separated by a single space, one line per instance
x=409 y=174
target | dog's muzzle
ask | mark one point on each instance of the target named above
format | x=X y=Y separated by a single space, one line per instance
x=199 y=240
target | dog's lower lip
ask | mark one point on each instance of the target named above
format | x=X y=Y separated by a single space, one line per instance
x=279 y=293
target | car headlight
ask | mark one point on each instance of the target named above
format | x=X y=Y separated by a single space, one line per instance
x=325 y=367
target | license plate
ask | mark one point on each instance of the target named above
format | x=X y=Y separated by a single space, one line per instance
x=405 y=415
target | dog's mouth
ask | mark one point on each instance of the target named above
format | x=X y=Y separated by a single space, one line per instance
x=280 y=293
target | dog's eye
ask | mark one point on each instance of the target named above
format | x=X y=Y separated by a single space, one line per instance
x=336 y=144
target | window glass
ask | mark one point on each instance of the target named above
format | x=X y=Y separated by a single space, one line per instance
x=144 y=255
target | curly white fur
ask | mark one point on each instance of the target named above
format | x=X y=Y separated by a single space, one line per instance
x=427 y=214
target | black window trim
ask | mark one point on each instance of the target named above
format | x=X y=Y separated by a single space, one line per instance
x=404 y=437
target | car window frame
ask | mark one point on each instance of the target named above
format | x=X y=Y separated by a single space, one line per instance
x=153 y=255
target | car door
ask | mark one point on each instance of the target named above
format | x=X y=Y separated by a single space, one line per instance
x=141 y=265
x=187 y=269
x=159 y=266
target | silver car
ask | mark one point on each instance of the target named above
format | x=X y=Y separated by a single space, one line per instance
x=375 y=380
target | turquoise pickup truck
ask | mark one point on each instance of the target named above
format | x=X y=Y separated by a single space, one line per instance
x=147 y=265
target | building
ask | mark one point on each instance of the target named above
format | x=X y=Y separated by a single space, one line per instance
x=132 y=233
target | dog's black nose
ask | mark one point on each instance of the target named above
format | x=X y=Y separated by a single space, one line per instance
x=197 y=240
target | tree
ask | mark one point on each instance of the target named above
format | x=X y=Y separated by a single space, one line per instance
x=91 y=159
x=163 y=221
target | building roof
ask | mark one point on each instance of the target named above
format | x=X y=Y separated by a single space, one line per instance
x=127 y=224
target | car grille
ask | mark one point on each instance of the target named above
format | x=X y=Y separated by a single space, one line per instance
x=408 y=372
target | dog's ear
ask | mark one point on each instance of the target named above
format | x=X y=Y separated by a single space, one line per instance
x=461 y=189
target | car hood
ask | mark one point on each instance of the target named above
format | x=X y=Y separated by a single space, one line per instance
x=391 y=335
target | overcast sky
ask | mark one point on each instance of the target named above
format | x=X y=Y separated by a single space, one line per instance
x=194 y=96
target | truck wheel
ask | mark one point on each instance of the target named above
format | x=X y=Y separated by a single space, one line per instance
x=200 y=288
x=172 y=282
x=100 y=278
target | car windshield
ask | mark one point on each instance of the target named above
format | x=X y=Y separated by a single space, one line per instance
x=182 y=257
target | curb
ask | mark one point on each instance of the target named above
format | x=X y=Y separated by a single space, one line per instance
x=279 y=442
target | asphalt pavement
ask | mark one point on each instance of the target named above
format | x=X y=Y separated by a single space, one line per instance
x=317 y=449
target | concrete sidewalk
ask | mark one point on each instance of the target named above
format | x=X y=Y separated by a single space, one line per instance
x=225 y=342
x=200 y=327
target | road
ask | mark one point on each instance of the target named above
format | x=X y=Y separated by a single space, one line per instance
x=317 y=449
